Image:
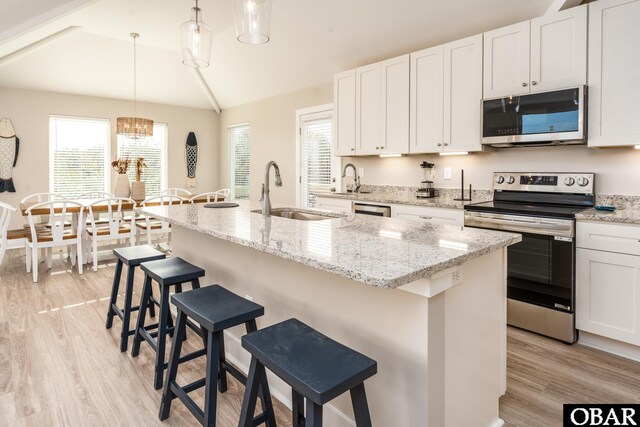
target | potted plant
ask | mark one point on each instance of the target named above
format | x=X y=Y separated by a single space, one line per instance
x=121 y=187
x=138 y=190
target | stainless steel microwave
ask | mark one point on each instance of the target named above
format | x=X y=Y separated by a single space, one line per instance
x=546 y=118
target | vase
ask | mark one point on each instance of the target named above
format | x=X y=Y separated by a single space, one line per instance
x=138 y=191
x=121 y=188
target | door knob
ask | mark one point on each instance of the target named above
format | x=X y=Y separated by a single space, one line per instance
x=524 y=84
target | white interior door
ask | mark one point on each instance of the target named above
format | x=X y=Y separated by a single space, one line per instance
x=317 y=167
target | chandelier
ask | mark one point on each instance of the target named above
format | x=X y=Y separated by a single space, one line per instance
x=196 y=39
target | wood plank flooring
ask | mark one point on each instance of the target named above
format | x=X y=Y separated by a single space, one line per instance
x=59 y=366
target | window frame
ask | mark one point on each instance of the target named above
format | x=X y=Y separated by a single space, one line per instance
x=336 y=160
x=164 y=158
x=231 y=159
x=107 y=159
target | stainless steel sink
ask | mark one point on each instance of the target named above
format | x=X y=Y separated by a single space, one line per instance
x=301 y=214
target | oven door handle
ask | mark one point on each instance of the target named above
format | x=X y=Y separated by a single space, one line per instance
x=563 y=229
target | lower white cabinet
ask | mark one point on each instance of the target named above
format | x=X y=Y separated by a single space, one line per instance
x=607 y=283
x=427 y=214
x=335 y=205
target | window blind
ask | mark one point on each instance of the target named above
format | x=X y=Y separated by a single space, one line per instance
x=315 y=158
x=78 y=155
x=239 y=153
x=154 y=151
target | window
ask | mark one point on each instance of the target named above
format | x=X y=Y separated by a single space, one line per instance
x=78 y=155
x=239 y=155
x=154 y=151
x=316 y=164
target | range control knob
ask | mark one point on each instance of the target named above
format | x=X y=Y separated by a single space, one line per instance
x=568 y=181
x=583 y=181
x=511 y=180
x=499 y=179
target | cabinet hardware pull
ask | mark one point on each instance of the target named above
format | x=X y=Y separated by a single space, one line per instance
x=426 y=217
x=524 y=84
x=439 y=144
x=446 y=143
x=353 y=149
x=534 y=82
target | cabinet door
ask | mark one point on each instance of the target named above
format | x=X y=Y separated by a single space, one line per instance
x=344 y=97
x=462 y=94
x=506 y=61
x=395 y=105
x=614 y=73
x=559 y=50
x=368 y=110
x=426 y=106
x=335 y=205
x=608 y=295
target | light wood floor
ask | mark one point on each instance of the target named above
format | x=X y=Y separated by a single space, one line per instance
x=59 y=366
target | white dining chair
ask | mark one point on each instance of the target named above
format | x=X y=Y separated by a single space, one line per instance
x=5 y=218
x=176 y=192
x=153 y=226
x=95 y=195
x=211 y=195
x=56 y=234
x=115 y=225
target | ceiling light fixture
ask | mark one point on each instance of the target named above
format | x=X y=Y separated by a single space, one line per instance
x=253 y=20
x=134 y=127
x=196 y=39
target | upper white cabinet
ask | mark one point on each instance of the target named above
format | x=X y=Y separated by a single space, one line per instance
x=344 y=96
x=446 y=97
x=395 y=105
x=368 y=110
x=614 y=73
x=544 y=54
x=462 y=94
x=559 y=50
x=427 y=101
x=506 y=61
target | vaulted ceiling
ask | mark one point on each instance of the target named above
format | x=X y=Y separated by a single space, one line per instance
x=310 y=41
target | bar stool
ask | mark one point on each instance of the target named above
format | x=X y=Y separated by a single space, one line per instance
x=132 y=256
x=316 y=367
x=215 y=309
x=167 y=273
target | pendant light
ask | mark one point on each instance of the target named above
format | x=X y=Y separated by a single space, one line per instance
x=134 y=127
x=253 y=20
x=196 y=39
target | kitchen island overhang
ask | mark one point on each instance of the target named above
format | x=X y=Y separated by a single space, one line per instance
x=428 y=302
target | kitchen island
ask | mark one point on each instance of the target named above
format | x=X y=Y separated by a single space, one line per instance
x=428 y=302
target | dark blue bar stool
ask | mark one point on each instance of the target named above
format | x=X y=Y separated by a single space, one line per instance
x=168 y=273
x=316 y=367
x=215 y=309
x=132 y=256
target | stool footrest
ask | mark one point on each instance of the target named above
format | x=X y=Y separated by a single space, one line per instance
x=193 y=355
x=148 y=337
x=188 y=402
x=195 y=385
x=235 y=372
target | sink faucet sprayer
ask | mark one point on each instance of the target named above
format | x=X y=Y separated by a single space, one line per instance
x=265 y=200
x=356 y=177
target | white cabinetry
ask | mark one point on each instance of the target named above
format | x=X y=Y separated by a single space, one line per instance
x=395 y=105
x=344 y=96
x=368 y=110
x=543 y=54
x=446 y=96
x=462 y=94
x=335 y=205
x=608 y=280
x=428 y=214
x=614 y=73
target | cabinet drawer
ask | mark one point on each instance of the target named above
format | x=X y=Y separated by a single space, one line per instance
x=618 y=238
x=431 y=215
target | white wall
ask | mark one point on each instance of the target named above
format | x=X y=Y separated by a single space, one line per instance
x=617 y=169
x=273 y=137
x=30 y=110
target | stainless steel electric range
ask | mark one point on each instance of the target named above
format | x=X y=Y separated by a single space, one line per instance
x=541 y=268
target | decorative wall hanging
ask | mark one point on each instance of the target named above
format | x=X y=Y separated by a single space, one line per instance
x=9 y=146
x=191 y=153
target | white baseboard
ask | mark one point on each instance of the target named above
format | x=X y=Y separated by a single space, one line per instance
x=280 y=390
x=618 y=348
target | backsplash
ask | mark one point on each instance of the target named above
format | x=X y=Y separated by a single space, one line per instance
x=445 y=193
x=619 y=201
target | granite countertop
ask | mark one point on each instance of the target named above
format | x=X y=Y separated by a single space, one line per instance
x=382 y=252
x=407 y=196
x=623 y=215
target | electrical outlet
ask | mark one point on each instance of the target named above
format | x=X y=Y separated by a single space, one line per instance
x=456 y=277
x=361 y=172
x=447 y=173
x=249 y=297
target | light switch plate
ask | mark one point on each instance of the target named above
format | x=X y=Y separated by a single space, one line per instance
x=447 y=173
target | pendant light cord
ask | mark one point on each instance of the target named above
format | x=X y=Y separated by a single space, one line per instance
x=135 y=94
